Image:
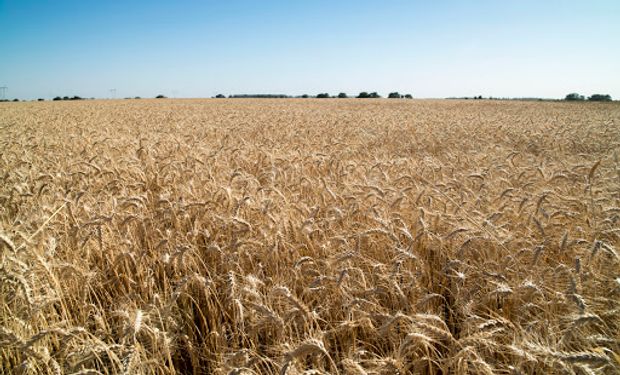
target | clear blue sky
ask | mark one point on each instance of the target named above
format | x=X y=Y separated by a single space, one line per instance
x=201 y=48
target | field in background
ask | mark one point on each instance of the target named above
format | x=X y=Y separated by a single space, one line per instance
x=309 y=237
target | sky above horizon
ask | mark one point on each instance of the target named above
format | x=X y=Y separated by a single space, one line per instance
x=431 y=49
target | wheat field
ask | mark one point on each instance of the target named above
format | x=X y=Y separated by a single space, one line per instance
x=309 y=237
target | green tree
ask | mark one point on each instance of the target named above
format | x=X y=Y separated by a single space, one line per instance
x=323 y=95
x=574 y=97
x=600 y=98
x=363 y=95
x=342 y=95
x=394 y=95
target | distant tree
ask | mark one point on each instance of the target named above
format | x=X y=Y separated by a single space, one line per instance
x=394 y=95
x=15 y=100
x=305 y=96
x=65 y=98
x=342 y=95
x=40 y=100
x=137 y=97
x=160 y=96
x=600 y=98
x=574 y=97
x=220 y=96
x=75 y=97
x=323 y=95
x=57 y=98
x=408 y=96
x=364 y=94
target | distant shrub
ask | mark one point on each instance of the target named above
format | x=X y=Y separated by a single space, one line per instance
x=374 y=95
x=57 y=98
x=600 y=98
x=574 y=97
x=137 y=97
x=408 y=96
x=342 y=95
x=160 y=96
x=323 y=95
x=220 y=96
x=15 y=100
x=394 y=95
x=305 y=96
x=40 y=100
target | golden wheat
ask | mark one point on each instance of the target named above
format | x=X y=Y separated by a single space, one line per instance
x=309 y=237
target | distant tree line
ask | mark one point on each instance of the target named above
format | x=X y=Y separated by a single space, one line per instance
x=575 y=97
x=75 y=97
x=479 y=97
x=259 y=96
x=323 y=95
x=570 y=97
x=362 y=95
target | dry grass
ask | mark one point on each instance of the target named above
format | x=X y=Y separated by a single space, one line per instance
x=309 y=237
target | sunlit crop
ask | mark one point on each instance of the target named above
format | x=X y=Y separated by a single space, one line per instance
x=309 y=237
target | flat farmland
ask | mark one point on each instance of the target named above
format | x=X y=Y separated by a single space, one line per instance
x=302 y=236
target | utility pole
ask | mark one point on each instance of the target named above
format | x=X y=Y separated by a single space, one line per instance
x=3 y=90
x=113 y=93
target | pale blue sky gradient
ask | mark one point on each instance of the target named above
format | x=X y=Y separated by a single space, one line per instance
x=427 y=48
